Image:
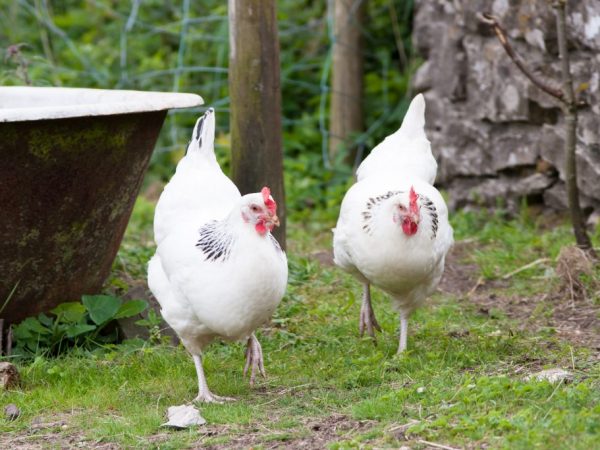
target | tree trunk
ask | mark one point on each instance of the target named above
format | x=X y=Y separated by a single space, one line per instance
x=570 y=110
x=255 y=98
x=347 y=76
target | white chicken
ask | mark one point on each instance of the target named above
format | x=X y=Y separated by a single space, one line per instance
x=217 y=272
x=393 y=229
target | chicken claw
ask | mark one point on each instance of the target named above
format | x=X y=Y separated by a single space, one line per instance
x=204 y=394
x=367 y=316
x=254 y=359
x=209 y=397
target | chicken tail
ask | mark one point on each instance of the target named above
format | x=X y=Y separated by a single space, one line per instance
x=405 y=153
x=413 y=125
x=203 y=136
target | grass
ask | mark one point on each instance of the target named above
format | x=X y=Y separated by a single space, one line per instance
x=460 y=384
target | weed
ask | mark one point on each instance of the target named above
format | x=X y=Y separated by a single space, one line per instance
x=73 y=324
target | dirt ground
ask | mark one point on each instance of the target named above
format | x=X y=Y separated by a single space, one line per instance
x=51 y=432
x=312 y=434
x=567 y=310
x=573 y=315
x=55 y=432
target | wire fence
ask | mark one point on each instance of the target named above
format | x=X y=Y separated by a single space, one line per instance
x=183 y=46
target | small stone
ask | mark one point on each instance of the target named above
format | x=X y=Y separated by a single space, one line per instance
x=12 y=412
x=9 y=375
x=420 y=390
x=554 y=376
x=183 y=416
x=445 y=405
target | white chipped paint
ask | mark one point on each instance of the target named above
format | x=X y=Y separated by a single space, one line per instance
x=577 y=21
x=19 y=103
x=589 y=137
x=594 y=82
x=535 y=38
x=510 y=98
x=499 y=7
x=592 y=27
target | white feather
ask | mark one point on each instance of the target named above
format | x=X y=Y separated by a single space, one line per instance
x=199 y=190
x=369 y=244
x=203 y=298
x=405 y=153
x=407 y=267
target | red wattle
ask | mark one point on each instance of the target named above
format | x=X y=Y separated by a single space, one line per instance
x=409 y=227
x=260 y=228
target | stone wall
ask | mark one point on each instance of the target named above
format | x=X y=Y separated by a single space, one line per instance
x=495 y=134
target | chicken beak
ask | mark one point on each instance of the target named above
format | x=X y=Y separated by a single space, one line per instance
x=274 y=220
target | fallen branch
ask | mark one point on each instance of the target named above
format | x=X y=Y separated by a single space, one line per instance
x=41 y=426
x=480 y=282
x=525 y=267
x=433 y=444
x=285 y=391
x=403 y=427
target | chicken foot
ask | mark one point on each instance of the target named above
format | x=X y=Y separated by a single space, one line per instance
x=367 y=316
x=254 y=359
x=204 y=394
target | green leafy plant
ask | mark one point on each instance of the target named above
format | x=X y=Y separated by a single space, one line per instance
x=152 y=322
x=74 y=324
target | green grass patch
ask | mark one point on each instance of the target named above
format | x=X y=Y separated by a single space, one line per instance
x=461 y=383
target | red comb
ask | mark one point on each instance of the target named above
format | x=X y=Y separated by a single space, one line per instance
x=412 y=196
x=269 y=202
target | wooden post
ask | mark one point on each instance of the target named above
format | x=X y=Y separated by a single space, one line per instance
x=255 y=98
x=347 y=75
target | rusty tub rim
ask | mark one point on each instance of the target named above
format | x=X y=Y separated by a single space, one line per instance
x=27 y=103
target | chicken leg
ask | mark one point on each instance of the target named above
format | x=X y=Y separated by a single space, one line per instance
x=204 y=394
x=367 y=316
x=403 y=331
x=254 y=359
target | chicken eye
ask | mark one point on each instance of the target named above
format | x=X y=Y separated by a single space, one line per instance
x=254 y=208
x=402 y=208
